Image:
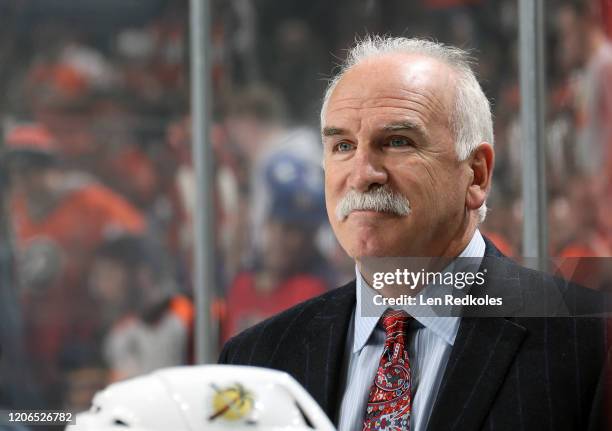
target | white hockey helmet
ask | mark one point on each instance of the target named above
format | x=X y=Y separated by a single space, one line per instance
x=203 y=398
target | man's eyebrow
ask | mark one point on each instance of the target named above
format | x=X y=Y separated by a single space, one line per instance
x=404 y=125
x=391 y=127
x=332 y=131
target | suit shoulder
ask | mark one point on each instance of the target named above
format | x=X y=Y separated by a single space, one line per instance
x=545 y=294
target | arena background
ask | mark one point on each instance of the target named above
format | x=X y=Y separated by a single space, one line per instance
x=99 y=186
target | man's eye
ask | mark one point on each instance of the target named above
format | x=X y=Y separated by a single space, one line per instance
x=398 y=141
x=343 y=147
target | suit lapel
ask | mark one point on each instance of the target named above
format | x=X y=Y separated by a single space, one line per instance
x=325 y=344
x=482 y=353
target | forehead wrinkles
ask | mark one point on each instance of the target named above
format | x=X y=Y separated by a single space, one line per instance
x=402 y=99
x=418 y=107
x=423 y=99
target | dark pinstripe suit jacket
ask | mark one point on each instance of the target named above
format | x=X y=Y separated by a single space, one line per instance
x=503 y=373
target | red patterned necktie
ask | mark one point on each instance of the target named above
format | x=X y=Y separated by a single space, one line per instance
x=389 y=401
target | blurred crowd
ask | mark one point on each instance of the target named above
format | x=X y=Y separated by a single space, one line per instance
x=98 y=184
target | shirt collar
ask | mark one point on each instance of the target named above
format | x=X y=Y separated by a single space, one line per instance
x=444 y=327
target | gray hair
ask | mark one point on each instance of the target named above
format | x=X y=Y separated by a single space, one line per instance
x=470 y=121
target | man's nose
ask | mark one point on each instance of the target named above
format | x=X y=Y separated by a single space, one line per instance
x=367 y=171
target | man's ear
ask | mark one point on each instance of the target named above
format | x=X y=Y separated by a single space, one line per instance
x=481 y=163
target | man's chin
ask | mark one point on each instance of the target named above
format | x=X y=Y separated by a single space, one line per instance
x=369 y=249
x=375 y=246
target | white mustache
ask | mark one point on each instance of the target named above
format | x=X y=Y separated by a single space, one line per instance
x=381 y=199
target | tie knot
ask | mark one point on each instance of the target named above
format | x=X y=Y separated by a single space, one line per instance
x=395 y=322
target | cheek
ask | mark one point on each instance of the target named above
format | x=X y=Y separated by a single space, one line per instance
x=450 y=196
x=432 y=188
x=414 y=181
x=332 y=198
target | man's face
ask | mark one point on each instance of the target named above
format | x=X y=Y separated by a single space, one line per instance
x=284 y=245
x=387 y=124
x=108 y=281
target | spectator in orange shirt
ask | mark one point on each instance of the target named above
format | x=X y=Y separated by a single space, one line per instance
x=59 y=219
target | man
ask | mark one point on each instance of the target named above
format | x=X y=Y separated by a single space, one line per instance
x=257 y=125
x=408 y=157
x=59 y=218
x=291 y=268
x=148 y=322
